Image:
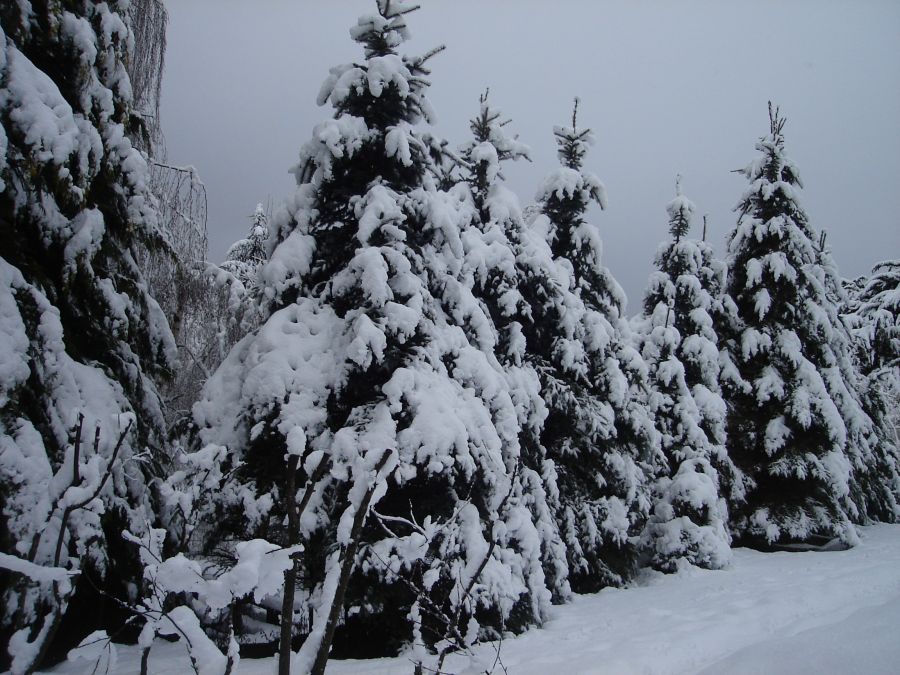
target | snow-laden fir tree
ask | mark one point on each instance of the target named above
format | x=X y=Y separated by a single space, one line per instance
x=80 y=337
x=876 y=312
x=598 y=432
x=246 y=256
x=796 y=425
x=852 y=289
x=873 y=314
x=679 y=342
x=368 y=417
x=507 y=272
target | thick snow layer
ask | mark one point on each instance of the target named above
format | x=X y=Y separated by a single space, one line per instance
x=829 y=612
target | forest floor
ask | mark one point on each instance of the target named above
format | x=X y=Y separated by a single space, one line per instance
x=768 y=613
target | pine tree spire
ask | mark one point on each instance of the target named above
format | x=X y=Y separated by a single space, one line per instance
x=381 y=34
x=487 y=127
x=681 y=211
x=354 y=88
x=776 y=123
x=484 y=155
x=573 y=144
x=565 y=196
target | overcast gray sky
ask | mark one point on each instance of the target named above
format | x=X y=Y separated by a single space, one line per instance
x=667 y=85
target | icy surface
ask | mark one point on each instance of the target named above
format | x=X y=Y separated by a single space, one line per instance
x=834 y=612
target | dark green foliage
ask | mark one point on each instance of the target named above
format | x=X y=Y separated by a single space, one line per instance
x=797 y=425
x=597 y=431
x=75 y=215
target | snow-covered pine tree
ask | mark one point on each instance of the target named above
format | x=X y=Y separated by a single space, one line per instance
x=875 y=484
x=501 y=267
x=598 y=431
x=246 y=256
x=368 y=417
x=852 y=289
x=679 y=342
x=491 y=244
x=877 y=312
x=80 y=337
x=796 y=426
x=873 y=315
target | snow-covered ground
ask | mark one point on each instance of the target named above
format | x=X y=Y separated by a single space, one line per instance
x=833 y=612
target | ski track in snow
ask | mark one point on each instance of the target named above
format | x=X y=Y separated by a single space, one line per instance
x=768 y=613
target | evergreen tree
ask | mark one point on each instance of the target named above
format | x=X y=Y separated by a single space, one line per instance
x=368 y=417
x=80 y=337
x=598 y=432
x=796 y=425
x=876 y=308
x=852 y=289
x=679 y=342
x=507 y=274
x=492 y=243
x=246 y=256
x=873 y=315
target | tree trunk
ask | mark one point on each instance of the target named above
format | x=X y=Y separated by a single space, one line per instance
x=290 y=575
x=287 y=620
x=145 y=660
x=347 y=560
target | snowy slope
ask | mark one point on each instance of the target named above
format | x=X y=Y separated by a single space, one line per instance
x=834 y=612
